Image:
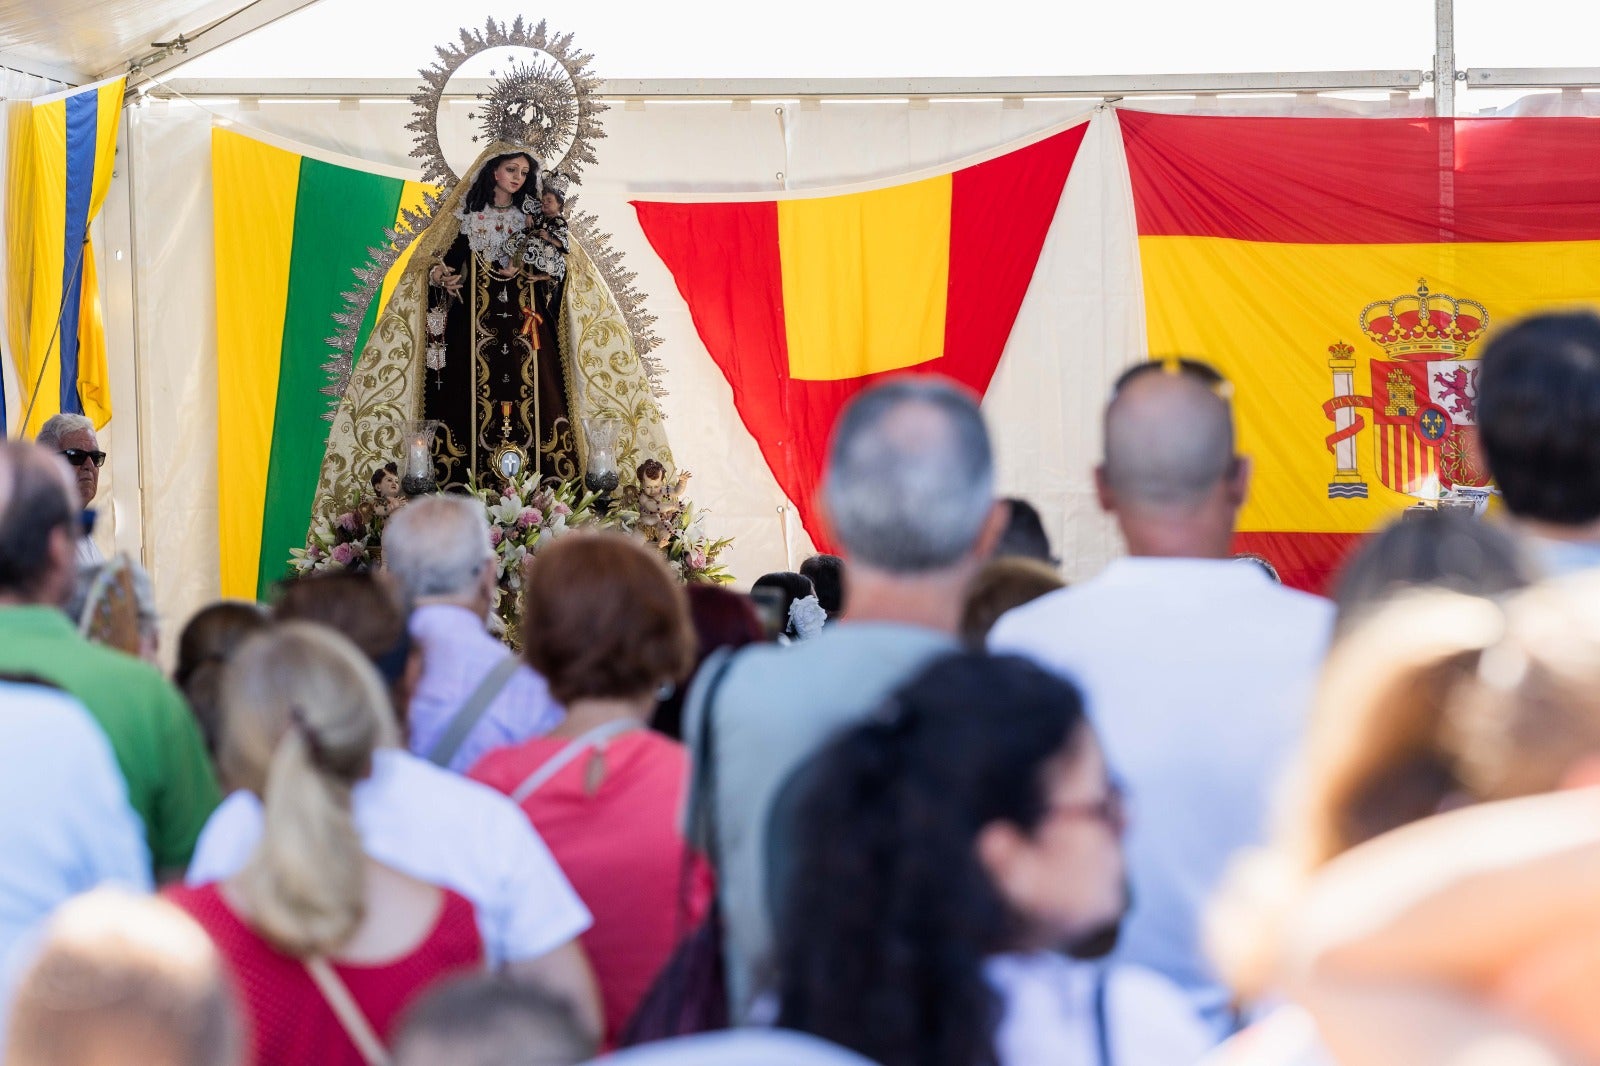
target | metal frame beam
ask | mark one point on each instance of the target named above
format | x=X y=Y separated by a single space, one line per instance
x=187 y=46
x=39 y=68
x=1444 y=58
x=850 y=88
x=1533 y=77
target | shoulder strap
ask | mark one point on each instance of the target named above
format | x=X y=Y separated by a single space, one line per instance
x=472 y=711
x=348 y=1011
x=702 y=813
x=594 y=738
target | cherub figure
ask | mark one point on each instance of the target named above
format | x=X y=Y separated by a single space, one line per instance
x=659 y=501
x=386 y=490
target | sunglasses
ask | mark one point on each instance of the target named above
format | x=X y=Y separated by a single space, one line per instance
x=77 y=457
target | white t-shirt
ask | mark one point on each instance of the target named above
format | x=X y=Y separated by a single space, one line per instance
x=1050 y=1017
x=65 y=822
x=737 y=1047
x=439 y=827
x=1197 y=675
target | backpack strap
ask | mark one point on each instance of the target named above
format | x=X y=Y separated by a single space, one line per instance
x=471 y=713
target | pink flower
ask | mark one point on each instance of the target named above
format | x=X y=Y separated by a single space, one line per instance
x=697 y=559
x=529 y=517
x=496 y=536
x=349 y=521
x=560 y=508
x=345 y=554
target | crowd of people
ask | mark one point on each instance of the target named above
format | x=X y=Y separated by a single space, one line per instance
x=921 y=803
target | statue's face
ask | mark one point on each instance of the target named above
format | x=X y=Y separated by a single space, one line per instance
x=388 y=485
x=510 y=175
x=551 y=206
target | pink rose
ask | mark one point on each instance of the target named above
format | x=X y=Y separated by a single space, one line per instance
x=495 y=536
x=345 y=554
x=529 y=517
x=349 y=521
x=698 y=560
x=560 y=508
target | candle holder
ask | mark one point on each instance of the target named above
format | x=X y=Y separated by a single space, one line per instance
x=602 y=433
x=418 y=478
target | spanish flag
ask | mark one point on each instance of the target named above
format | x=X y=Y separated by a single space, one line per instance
x=291 y=226
x=1343 y=273
x=62 y=149
x=805 y=299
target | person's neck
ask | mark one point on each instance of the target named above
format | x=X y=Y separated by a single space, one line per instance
x=931 y=600
x=1584 y=533
x=473 y=604
x=501 y=199
x=1173 y=534
x=586 y=714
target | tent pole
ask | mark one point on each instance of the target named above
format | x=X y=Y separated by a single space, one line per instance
x=1444 y=58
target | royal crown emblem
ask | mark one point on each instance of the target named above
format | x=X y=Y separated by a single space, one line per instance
x=1424 y=395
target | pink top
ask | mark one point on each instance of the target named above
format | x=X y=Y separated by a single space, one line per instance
x=620 y=848
x=289 y=1021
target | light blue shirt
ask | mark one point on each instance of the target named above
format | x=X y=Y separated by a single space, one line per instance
x=775 y=707
x=65 y=823
x=1197 y=675
x=457 y=653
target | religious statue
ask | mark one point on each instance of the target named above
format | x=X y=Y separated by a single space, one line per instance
x=657 y=500
x=387 y=497
x=491 y=331
x=510 y=324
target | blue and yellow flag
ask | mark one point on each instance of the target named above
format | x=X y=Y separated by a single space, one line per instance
x=63 y=149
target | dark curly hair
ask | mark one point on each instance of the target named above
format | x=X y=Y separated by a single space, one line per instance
x=886 y=914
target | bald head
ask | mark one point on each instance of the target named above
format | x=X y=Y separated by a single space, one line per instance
x=38 y=531
x=1168 y=441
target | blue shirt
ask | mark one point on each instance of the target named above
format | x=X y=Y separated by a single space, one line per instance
x=457 y=653
x=65 y=822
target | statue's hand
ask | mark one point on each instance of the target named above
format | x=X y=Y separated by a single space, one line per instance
x=447 y=279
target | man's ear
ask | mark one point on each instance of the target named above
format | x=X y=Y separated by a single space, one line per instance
x=1102 y=490
x=1239 y=481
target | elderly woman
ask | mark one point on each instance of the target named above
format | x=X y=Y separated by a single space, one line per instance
x=609 y=628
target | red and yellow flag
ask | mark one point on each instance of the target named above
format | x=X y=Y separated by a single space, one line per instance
x=1343 y=274
x=805 y=299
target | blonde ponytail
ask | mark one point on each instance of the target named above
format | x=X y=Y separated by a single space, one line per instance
x=303 y=712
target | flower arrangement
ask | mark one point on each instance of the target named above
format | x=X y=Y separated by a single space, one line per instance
x=524 y=515
x=352 y=541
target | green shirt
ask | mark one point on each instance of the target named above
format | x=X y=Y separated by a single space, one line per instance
x=155 y=738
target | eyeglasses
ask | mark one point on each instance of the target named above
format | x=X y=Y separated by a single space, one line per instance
x=77 y=457
x=1111 y=809
x=1200 y=371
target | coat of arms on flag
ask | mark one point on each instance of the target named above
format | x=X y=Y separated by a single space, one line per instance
x=1423 y=398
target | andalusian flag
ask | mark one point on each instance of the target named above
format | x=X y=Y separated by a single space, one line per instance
x=291 y=226
x=62 y=151
x=1343 y=274
x=805 y=299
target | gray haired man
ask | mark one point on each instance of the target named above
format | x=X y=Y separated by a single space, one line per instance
x=74 y=437
x=908 y=494
x=473 y=695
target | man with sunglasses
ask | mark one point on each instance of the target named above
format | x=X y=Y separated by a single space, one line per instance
x=74 y=437
x=1196 y=668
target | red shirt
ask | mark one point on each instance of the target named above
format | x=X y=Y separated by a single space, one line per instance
x=620 y=848
x=289 y=1021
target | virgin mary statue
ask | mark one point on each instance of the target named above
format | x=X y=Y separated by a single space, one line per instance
x=479 y=336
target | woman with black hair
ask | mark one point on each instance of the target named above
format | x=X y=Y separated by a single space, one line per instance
x=938 y=863
x=787 y=603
